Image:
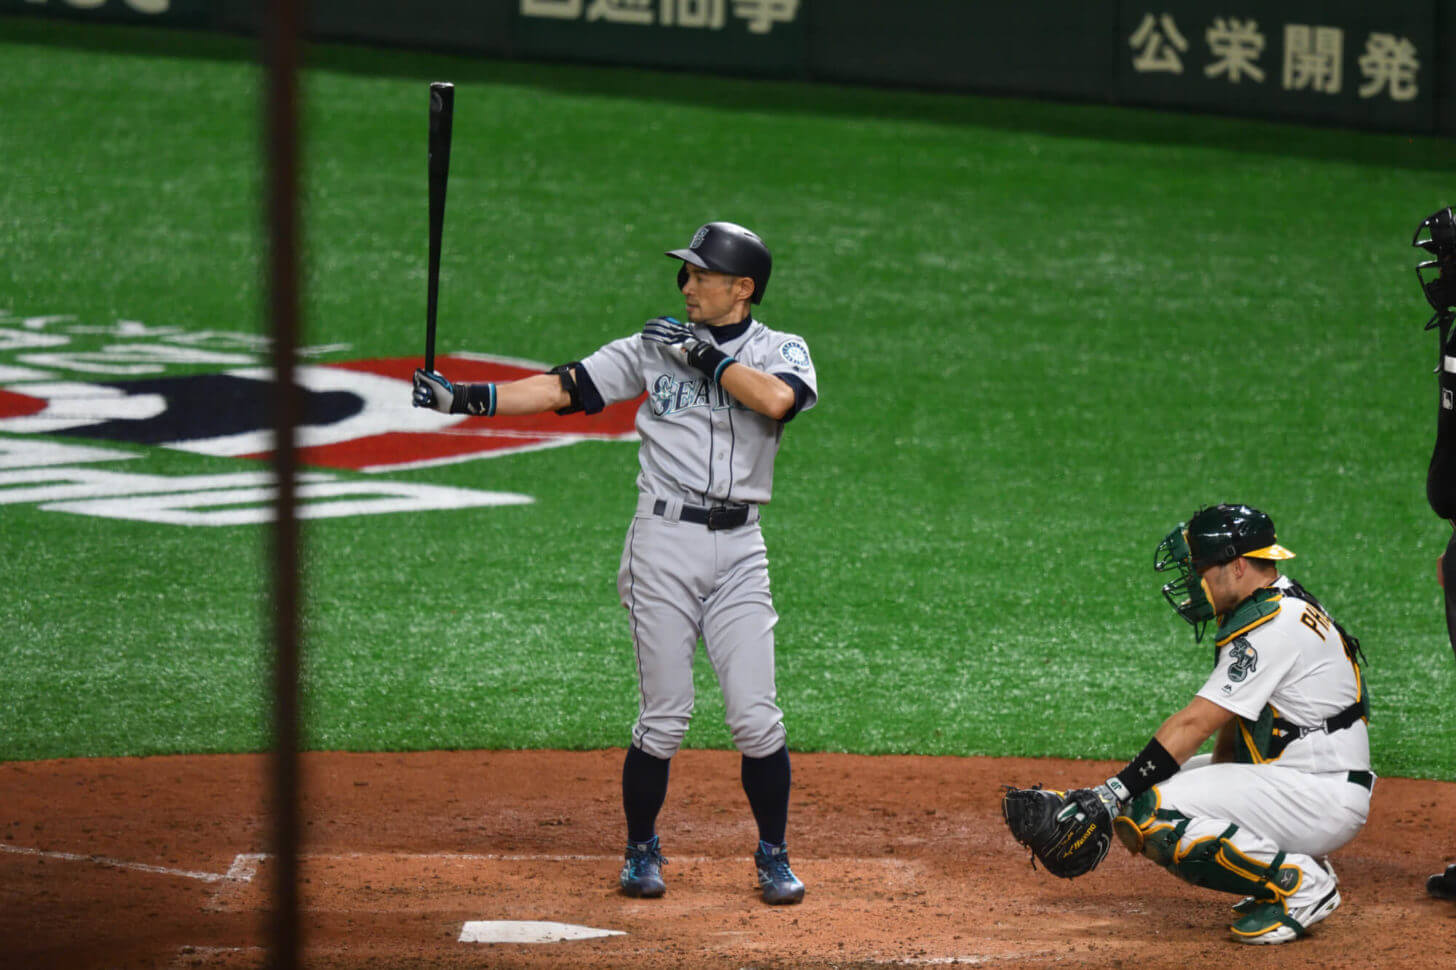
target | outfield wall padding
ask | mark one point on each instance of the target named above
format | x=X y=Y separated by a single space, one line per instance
x=1388 y=66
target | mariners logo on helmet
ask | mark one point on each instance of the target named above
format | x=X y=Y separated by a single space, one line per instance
x=726 y=247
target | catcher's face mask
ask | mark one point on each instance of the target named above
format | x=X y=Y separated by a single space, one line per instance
x=1438 y=275
x=1186 y=592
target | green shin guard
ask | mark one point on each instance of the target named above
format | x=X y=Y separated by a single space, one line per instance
x=1212 y=862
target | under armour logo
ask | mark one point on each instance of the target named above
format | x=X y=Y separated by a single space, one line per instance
x=1146 y=769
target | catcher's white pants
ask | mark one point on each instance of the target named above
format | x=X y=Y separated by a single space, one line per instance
x=1276 y=809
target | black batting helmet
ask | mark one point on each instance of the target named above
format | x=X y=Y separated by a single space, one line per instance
x=726 y=247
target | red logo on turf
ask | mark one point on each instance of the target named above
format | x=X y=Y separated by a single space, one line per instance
x=357 y=414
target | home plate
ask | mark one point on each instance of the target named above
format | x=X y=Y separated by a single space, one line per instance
x=528 y=931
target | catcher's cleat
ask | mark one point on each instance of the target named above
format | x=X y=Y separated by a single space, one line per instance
x=1275 y=922
x=1442 y=885
x=1248 y=904
x=642 y=872
x=776 y=881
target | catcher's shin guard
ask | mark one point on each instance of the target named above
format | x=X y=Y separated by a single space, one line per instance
x=1211 y=860
x=1143 y=832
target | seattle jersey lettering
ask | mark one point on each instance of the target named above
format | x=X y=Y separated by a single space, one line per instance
x=670 y=395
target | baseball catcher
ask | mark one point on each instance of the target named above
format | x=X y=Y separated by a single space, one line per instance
x=1289 y=779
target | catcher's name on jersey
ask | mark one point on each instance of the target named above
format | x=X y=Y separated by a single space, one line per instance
x=699 y=444
x=1291 y=665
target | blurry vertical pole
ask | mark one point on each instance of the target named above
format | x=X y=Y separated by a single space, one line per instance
x=280 y=52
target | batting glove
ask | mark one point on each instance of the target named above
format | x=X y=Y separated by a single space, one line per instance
x=705 y=357
x=678 y=338
x=668 y=331
x=432 y=390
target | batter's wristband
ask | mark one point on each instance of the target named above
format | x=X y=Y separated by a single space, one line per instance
x=475 y=399
x=709 y=359
x=1152 y=766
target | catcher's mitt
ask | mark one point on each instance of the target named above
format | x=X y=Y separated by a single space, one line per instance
x=1068 y=831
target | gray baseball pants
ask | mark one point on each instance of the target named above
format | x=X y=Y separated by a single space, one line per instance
x=681 y=581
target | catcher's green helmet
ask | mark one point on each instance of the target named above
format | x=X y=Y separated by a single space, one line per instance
x=1214 y=536
x=1222 y=533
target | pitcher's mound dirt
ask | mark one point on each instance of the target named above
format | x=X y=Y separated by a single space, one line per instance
x=162 y=862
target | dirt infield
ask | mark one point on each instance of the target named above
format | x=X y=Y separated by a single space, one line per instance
x=160 y=862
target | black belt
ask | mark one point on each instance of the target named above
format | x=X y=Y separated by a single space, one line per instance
x=718 y=517
x=1364 y=779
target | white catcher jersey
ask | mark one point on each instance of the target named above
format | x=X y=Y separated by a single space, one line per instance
x=700 y=445
x=1294 y=662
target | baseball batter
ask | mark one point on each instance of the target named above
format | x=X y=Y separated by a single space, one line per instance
x=1289 y=780
x=721 y=386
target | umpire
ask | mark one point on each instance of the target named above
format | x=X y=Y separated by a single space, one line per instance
x=1437 y=277
x=721 y=387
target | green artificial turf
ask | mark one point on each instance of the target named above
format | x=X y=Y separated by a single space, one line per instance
x=1044 y=334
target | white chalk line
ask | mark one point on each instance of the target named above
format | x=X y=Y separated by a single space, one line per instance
x=190 y=955
x=241 y=869
x=245 y=865
x=968 y=959
x=573 y=857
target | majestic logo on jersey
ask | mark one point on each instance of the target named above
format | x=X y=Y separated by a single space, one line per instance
x=796 y=354
x=670 y=395
x=1245 y=659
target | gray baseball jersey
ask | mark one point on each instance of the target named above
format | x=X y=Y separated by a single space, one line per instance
x=679 y=579
x=698 y=444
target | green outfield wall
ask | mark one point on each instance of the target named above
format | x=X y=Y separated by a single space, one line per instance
x=1385 y=66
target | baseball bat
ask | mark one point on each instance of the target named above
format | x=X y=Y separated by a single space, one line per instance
x=442 y=115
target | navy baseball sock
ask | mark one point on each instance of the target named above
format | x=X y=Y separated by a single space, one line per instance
x=766 y=783
x=644 y=788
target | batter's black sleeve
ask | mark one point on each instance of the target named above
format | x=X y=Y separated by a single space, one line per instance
x=584 y=393
x=801 y=394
